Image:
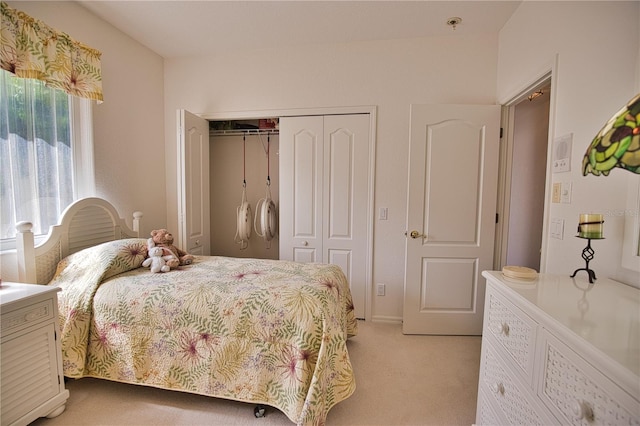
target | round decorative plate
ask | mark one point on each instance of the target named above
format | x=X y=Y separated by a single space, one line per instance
x=519 y=272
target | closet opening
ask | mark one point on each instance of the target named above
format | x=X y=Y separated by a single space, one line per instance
x=243 y=156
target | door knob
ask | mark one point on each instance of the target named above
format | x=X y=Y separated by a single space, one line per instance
x=416 y=234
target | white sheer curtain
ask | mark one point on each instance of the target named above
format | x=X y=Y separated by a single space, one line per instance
x=36 y=162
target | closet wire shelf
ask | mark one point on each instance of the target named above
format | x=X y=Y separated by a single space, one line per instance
x=241 y=132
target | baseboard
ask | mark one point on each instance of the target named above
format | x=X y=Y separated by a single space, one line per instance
x=386 y=319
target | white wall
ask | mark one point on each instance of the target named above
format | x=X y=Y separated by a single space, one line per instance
x=388 y=74
x=128 y=125
x=597 y=47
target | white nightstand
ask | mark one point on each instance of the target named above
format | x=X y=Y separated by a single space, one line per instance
x=31 y=378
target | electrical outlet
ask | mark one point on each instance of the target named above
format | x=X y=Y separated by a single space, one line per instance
x=380 y=290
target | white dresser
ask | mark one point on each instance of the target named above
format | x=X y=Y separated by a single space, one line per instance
x=31 y=378
x=558 y=350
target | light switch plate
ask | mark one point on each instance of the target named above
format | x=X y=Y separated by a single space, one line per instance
x=565 y=193
x=557 y=228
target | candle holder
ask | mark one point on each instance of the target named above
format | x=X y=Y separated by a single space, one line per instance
x=587 y=255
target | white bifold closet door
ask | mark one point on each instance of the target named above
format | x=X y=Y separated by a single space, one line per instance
x=324 y=194
x=194 y=227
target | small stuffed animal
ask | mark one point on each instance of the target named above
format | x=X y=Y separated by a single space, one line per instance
x=168 y=256
x=155 y=260
x=163 y=238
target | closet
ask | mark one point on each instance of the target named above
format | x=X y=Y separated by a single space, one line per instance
x=324 y=194
x=321 y=182
x=243 y=156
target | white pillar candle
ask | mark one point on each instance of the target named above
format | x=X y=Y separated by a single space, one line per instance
x=590 y=226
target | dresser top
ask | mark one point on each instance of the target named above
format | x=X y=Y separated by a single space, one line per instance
x=606 y=313
x=12 y=292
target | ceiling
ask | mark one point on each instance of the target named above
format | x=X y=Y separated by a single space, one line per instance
x=193 y=28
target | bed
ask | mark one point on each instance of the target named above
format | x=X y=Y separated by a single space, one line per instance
x=267 y=332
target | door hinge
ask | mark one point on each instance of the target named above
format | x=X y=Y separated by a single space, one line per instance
x=501 y=132
x=497 y=217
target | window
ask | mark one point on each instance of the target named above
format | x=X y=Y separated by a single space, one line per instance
x=46 y=155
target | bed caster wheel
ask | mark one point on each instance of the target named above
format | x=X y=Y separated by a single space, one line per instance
x=259 y=411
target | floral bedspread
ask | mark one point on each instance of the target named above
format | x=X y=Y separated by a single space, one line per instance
x=260 y=331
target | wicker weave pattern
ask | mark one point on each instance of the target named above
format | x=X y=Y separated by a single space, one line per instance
x=47 y=263
x=513 y=402
x=486 y=415
x=565 y=384
x=519 y=339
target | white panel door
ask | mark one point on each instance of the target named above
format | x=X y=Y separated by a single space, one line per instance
x=346 y=200
x=324 y=195
x=194 y=235
x=301 y=171
x=453 y=168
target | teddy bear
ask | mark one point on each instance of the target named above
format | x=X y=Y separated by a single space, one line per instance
x=155 y=260
x=170 y=259
x=163 y=238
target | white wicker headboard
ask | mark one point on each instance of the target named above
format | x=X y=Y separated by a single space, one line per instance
x=85 y=223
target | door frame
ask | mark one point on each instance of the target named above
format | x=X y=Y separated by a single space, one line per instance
x=292 y=112
x=548 y=74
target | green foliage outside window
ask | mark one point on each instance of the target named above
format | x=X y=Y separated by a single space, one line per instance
x=26 y=99
x=36 y=163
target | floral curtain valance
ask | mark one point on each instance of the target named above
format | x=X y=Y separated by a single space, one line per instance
x=31 y=49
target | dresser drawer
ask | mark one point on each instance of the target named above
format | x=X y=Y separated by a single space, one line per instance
x=27 y=316
x=513 y=330
x=500 y=384
x=578 y=393
x=485 y=414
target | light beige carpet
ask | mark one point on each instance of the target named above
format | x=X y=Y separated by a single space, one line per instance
x=401 y=380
